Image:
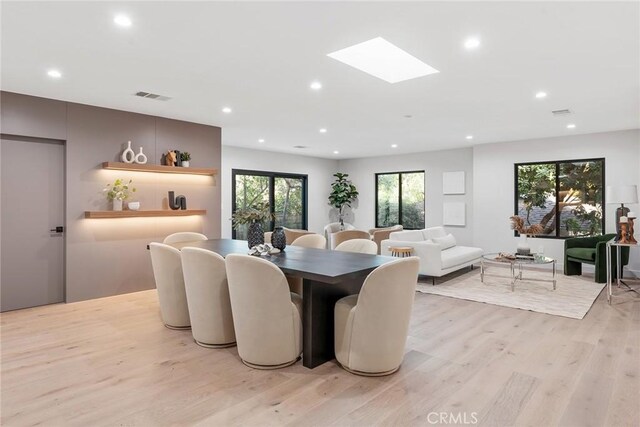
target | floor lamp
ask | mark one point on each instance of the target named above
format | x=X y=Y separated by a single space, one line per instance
x=621 y=194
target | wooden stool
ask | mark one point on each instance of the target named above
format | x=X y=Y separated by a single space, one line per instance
x=401 y=251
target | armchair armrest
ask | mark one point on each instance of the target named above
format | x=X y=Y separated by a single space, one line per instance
x=587 y=242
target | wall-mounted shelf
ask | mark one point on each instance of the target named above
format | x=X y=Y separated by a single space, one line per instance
x=134 y=167
x=142 y=214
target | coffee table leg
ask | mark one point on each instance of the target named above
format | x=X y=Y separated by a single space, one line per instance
x=513 y=278
x=482 y=271
x=554 y=275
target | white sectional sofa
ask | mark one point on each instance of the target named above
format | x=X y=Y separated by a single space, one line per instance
x=438 y=252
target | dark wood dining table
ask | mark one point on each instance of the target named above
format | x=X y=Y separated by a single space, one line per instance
x=327 y=276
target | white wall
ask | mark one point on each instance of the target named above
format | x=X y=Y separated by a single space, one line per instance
x=362 y=173
x=320 y=175
x=493 y=180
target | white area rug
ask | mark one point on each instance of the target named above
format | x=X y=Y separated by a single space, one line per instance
x=573 y=297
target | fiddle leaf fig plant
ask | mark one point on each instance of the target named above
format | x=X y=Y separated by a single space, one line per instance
x=343 y=193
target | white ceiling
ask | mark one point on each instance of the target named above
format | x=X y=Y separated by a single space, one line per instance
x=259 y=59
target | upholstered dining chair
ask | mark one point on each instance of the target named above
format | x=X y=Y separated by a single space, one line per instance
x=343 y=236
x=183 y=236
x=167 y=271
x=371 y=327
x=205 y=282
x=267 y=317
x=380 y=234
x=332 y=228
x=363 y=246
x=314 y=241
x=293 y=234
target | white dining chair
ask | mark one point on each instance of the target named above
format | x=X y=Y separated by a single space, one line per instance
x=371 y=327
x=314 y=241
x=183 y=236
x=363 y=246
x=167 y=271
x=205 y=281
x=332 y=228
x=267 y=317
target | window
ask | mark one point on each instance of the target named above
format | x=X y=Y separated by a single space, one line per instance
x=400 y=199
x=285 y=193
x=572 y=188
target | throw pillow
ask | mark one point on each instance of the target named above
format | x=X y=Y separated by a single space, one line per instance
x=445 y=242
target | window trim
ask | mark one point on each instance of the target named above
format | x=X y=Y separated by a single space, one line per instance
x=557 y=163
x=400 y=173
x=272 y=176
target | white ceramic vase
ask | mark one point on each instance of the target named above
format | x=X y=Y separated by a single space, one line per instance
x=523 y=245
x=128 y=155
x=117 y=205
x=140 y=158
x=185 y=163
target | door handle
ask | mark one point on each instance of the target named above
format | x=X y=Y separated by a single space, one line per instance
x=58 y=229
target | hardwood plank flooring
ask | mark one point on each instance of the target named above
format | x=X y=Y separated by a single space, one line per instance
x=111 y=362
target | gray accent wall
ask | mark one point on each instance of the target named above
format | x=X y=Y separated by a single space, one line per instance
x=108 y=256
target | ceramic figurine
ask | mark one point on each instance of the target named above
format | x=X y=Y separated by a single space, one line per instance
x=128 y=155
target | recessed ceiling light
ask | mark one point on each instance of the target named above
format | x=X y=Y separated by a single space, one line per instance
x=571 y=126
x=122 y=20
x=469 y=137
x=261 y=140
x=226 y=110
x=541 y=95
x=383 y=60
x=54 y=74
x=394 y=145
x=472 y=43
x=316 y=85
x=336 y=152
x=322 y=130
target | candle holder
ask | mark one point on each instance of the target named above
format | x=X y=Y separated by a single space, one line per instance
x=631 y=219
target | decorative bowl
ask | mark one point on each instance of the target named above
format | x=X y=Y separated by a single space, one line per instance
x=133 y=206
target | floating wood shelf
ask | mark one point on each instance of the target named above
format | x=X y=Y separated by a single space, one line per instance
x=141 y=214
x=134 y=167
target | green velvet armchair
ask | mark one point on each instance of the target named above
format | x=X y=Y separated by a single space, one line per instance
x=591 y=250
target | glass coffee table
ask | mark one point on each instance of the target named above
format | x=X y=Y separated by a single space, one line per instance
x=516 y=268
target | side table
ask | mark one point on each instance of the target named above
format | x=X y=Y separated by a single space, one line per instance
x=610 y=244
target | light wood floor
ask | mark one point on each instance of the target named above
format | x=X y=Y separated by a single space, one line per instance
x=111 y=362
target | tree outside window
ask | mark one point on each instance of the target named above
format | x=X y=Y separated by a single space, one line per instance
x=400 y=199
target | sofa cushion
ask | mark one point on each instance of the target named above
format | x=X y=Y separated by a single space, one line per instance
x=407 y=235
x=430 y=233
x=459 y=255
x=587 y=254
x=445 y=242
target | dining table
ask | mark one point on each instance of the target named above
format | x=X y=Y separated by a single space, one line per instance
x=328 y=275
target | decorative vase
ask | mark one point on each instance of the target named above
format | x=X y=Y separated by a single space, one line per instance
x=523 y=245
x=185 y=163
x=117 y=205
x=141 y=158
x=278 y=238
x=128 y=155
x=133 y=206
x=255 y=234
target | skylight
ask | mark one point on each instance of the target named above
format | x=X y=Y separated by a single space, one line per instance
x=383 y=60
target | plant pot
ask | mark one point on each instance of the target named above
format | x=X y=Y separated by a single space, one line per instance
x=255 y=234
x=278 y=238
x=185 y=163
x=523 y=245
x=117 y=205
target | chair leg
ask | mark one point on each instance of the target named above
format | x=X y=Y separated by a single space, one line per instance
x=572 y=268
x=433 y=281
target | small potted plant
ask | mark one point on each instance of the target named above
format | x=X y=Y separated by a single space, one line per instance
x=185 y=157
x=254 y=216
x=118 y=192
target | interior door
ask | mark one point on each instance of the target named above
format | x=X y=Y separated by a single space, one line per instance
x=31 y=223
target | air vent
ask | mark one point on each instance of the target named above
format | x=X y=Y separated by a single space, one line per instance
x=300 y=146
x=561 y=112
x=152 y=96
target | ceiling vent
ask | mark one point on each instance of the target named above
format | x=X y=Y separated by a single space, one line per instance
x=152 y=96
x=561 y=112
x=300 y=146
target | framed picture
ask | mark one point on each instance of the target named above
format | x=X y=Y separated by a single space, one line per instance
x=454 y=213
x=453 y=182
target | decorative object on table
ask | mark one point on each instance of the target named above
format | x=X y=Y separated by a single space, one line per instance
x=518 y=224
x=178 y=158
x=343 y=193
x=170 y=158
x=133 y=206
x=185 y=157
x=263 y=250
x=454 y=213
x=118 y=192
x=141 y=158
x=253 y=216
x=624 y=230
x=505 y=257
x=278 y=238
x=128 y=155
x=631 y=217
x=621 y=194
x=176 y=203
x=453 y=182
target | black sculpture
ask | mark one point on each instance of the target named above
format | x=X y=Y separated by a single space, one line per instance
x=176 y=203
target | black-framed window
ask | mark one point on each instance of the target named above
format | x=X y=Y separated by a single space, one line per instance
x=565 y=197
x=286 y=194
x=400 y=199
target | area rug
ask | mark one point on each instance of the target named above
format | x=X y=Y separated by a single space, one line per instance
x=573 y=297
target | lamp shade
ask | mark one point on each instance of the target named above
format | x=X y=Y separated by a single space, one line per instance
x=621 y=194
